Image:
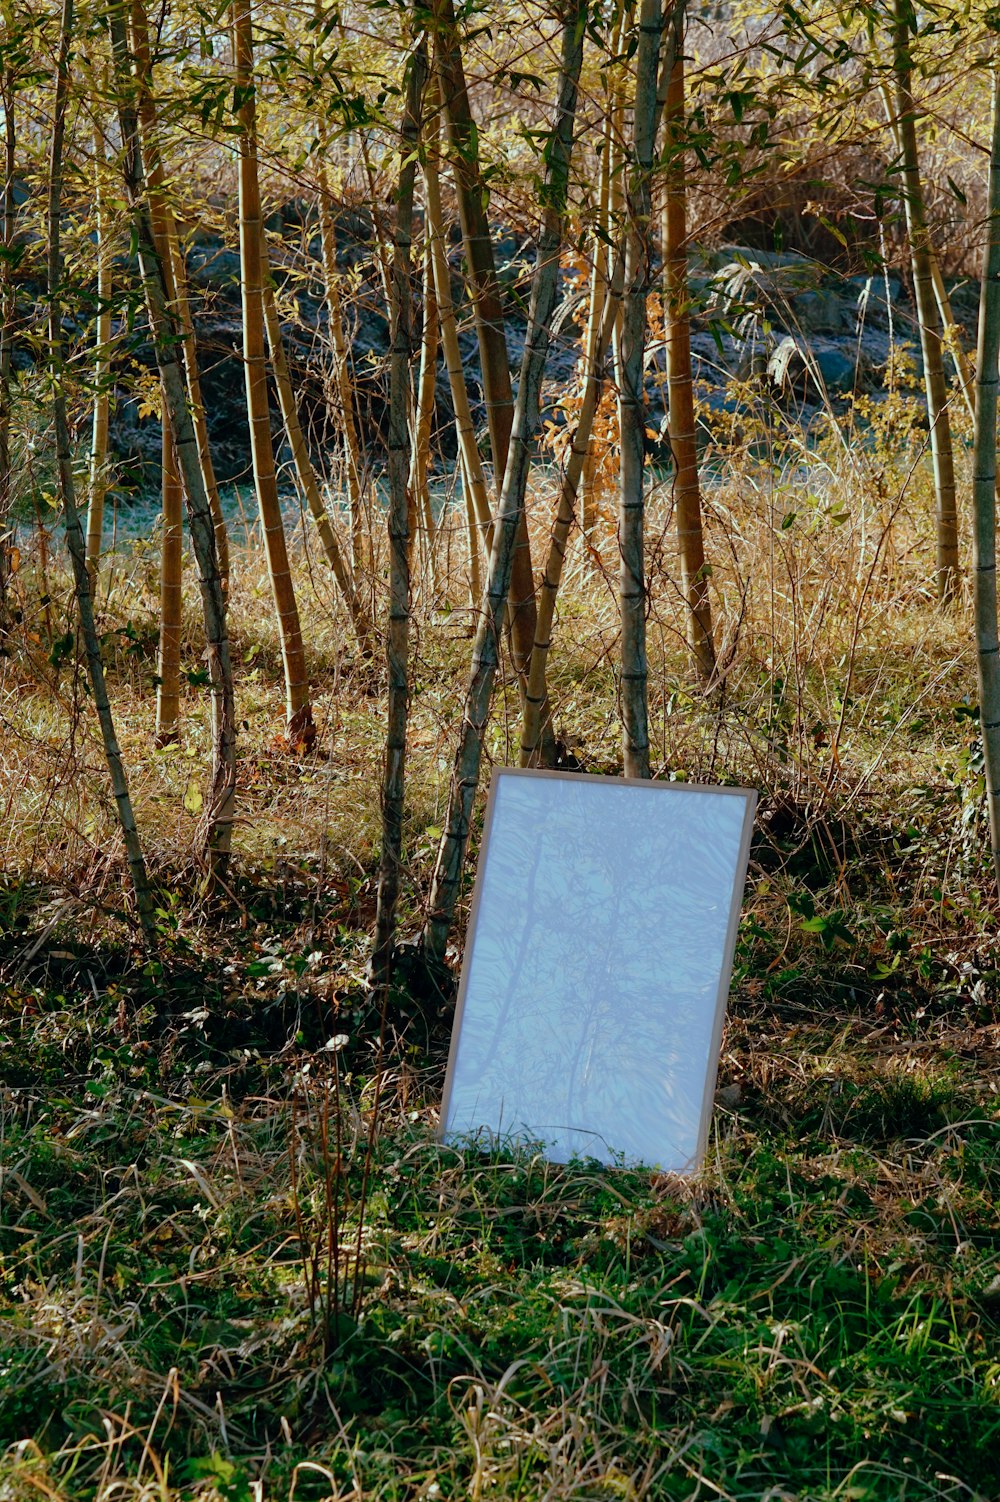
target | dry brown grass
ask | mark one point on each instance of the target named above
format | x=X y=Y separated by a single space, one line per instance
x=829 y=644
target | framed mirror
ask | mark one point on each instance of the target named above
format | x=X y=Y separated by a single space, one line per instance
x=597 y=967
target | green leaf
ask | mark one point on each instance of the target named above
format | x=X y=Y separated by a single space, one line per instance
x=832 y=229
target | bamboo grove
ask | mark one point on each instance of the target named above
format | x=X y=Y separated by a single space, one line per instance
x=616 y=136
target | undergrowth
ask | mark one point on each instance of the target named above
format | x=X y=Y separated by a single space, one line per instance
x=816 y=1313
x=217 y=1283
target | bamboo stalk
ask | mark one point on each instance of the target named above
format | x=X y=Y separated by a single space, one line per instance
x=631 y=404
x=474 y=479
x=165 y=224
x=102 y=369
x=472 y=533
x=618 y=161
x=382 y=256
x=168 y=668
x=216 y=825
x=306 y=475
x=74 y=528
x=595 y=314
x=536 y=697
x=8 y=211
x=420 y=461
x=298 y=710
x=171 y=553
x=984 y=485
x=398 y=634
x=185 y=322
x=680 y=386
x=360 y=552
x=494 y=363
x=930 y=329
x=485 y=655
x=171 y=582
x=960 y=360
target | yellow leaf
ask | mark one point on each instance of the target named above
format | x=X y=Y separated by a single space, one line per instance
x=192 y=798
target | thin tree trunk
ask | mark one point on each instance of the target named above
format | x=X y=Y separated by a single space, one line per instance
x=381 y=256
x=488 y=308
x=472 y=531
x=465 y=777
x=8 y=306
x=360 y=552
x=631 y=407
x=168 y=669
x=185 y=322
x=610 y=215
x=298 y=711
x=474 y=480
x=618 y=165
x=164 y=230
x=306 y=475
x=536 y=697
x=168 y=696
x=681 y=425
x=984 y=494
x=960 y=360
x=398 y=635
x=420 y=462
x=74 y=528
x=216 y=827
x=927 y=313
x=176 y=274
x=102 y=369
x=595 y=318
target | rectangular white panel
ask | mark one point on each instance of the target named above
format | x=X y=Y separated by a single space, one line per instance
x=597 y=967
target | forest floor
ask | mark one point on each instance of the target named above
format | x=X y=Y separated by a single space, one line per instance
x=185 y=1143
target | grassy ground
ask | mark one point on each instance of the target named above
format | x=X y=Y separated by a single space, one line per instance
x=215 y=1283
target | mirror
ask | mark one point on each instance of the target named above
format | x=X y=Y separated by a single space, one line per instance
x=597 y=967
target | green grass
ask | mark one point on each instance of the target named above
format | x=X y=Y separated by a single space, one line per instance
x=815 y=1316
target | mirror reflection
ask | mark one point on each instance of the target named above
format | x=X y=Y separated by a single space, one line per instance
x=593 y=975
